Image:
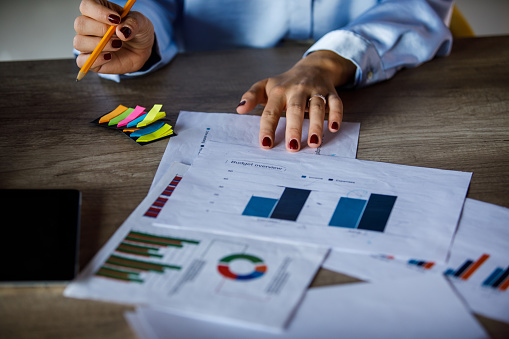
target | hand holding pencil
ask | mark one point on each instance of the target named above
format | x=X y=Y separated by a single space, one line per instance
x=111 y=39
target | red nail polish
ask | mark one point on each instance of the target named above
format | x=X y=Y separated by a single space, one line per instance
x=107 y=56
x=114 y=19
x=242 y=103
x=313 y=139
x=294 y=144
x=126 y=31
x=266 y=142
x=335 y=125
x=116 y=43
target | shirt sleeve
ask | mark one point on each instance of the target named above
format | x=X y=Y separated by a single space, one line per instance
x=391 y=35
x=162 y=14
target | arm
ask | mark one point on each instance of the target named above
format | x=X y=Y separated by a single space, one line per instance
x=391 y=35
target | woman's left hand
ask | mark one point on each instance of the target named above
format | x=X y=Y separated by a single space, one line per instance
x=309 y=84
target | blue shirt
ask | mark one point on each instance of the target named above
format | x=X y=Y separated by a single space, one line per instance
x=379 y=37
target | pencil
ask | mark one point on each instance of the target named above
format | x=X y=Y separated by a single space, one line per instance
x=98 y=49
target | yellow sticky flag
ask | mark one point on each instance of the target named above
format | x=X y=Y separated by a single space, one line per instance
x=152 y=116
x=160 y=133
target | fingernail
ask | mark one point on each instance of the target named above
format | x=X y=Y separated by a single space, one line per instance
x=294 y=144
x=314 y=139
x=107 y=56
x=116 y=43
x=126 y=31
x=266 y=142
x=242 y=103
x=114 y=19
x=335 y=125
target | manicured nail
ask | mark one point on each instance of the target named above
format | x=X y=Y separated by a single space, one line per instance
x=114 y=19
x=107 y=56
x=116 y=43
x=126 y=31
x=314 y=139
x=242 y=103
x=335 y=125
x=294 y=144
x=266 y=142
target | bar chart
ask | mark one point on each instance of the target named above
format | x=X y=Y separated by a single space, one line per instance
x=154 y=210
x=427 y=265
x=498 y=279
x=140 y=253
x=465 y=271
x=287 y=207
x=371 y=214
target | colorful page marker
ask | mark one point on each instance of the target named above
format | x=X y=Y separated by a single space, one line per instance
x=147 y=130
x=130 y=130
x=117 y=119
x=151 y=116
x=134 y=114
x=160 y=133
x=117 y=111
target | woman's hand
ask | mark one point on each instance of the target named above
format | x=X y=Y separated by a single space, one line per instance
x=129 y=48
x=296 y=91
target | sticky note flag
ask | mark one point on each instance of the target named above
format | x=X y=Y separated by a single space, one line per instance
x=134 y=114
x=117 y=119
x=130 y=130
x=136 y=121
x=117 y=111
x=152 y=116
x=147 y=130
x=160 y=133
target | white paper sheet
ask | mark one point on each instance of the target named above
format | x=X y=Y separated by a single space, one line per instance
x=245 y=281
x=410 y=308
x=194 y=129
x=483 y=231
x=293 y=196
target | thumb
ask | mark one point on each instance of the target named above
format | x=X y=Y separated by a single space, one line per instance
x=254 y=96
x=136 y=26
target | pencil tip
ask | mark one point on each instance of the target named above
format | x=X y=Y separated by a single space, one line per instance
x=80 y=75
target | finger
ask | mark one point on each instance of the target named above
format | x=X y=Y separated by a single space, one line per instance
x=84 y=25
x=335 y=111
x=270 y=117
x=295 y=109
x=86 y=44
x=254 y=96
x=106 y=14
x=316 y=116
x=101 y=60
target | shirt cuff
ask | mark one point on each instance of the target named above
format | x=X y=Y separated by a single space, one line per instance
x=358 y=50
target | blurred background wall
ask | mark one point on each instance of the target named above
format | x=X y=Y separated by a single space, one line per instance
x=33 y=30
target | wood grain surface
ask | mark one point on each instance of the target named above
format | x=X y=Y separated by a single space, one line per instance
x=450 y=113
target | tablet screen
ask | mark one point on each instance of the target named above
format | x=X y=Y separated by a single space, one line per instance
x=40 y=235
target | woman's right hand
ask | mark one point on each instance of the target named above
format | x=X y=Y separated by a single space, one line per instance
x=129 y=48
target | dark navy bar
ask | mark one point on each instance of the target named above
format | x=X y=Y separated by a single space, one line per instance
x=377 y=212
x=290 y=204
x=463 y=268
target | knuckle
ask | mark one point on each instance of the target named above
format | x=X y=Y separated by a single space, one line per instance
x=79 y=24
x=296 y=106
x=278 y=90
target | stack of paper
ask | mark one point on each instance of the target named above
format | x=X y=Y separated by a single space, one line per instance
x=226 y=247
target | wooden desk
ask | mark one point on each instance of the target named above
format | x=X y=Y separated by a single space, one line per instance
x=451 y=113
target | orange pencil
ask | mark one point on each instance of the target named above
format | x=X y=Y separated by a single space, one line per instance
x=98 y=49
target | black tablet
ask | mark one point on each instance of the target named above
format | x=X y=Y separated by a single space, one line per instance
x=39 y=235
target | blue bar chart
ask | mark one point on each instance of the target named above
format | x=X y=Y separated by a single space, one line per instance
x=371 y=214
x=498 y=279
x=287 y=207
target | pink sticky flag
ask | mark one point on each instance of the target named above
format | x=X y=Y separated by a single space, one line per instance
x=138 y=111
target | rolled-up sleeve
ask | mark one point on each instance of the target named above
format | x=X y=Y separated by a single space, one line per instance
x=391 y=35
